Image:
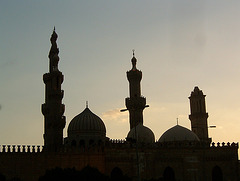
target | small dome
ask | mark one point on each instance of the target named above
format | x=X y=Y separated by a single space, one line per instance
x=178 y=133
x=144 y=134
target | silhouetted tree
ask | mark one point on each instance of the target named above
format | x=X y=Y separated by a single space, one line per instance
x=59 y=174
x=88 y=173
x=2 y=177
x=117 y=175
x=71 y=174
x=15 y=179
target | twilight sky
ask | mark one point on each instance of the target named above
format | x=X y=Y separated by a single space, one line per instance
x=178 y=44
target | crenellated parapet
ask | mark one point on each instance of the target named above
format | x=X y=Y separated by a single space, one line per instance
x=181 y=144
x=123 y=143
x=224 y=145
x=96 y=149
x=195 y=144
x=117 y=141
x=21 y=148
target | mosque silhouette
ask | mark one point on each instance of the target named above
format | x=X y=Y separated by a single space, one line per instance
x=179 y=154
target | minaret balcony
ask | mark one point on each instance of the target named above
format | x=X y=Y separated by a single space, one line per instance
x=135 y=103
x=49 y=76
x=134 y=75
x=56 y=95
x=46 y=77
x=198 y=116
x=45 y=109
x=62 y=109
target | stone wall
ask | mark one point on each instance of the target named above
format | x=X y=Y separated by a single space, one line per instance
x=188 y=162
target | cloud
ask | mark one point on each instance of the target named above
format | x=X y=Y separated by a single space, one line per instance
x=7 y=64
x=115 y=115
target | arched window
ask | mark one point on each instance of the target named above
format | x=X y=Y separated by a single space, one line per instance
x=73 y=143
x=168 y=174
x=81 y=143
x=217 y=174
x=91 y=142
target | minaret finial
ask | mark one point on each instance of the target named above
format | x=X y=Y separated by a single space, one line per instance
x=54 y=28
x=86 y=104
x=53 y=53
x=134 y=61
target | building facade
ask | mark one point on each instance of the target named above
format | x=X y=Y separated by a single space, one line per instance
x=179 y=154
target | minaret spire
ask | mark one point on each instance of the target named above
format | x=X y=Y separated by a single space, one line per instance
x=134 y=61
x=53 y=53
x=53 y=109
x=136 y=102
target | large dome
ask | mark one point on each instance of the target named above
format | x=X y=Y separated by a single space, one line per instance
x=144 y=134
x=86 y=123
x=86 y=127
x=178 y=133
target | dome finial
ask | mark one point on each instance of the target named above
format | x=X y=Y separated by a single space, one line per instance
x=86 y=104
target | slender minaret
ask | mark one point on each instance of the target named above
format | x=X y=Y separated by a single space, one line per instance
x=135 y=103
x=53 y=109
x=198 y=116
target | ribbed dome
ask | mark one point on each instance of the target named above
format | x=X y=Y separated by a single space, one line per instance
x=144 y=134
x=86 y=124
x=178 y=133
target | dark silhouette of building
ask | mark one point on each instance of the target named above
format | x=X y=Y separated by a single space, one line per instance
x=179 y=154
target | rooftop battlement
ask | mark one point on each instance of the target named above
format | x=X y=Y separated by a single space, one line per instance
x=21 y=148
x=113 y=143
x=117 y=141
x=224 y=145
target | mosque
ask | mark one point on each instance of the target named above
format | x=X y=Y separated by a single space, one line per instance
x=179 y=154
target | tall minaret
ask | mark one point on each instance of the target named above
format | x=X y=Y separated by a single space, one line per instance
x=135 y=103
x=199 y=115
x=53 y=109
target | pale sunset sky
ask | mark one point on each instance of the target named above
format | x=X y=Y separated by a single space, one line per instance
x=179 y=44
